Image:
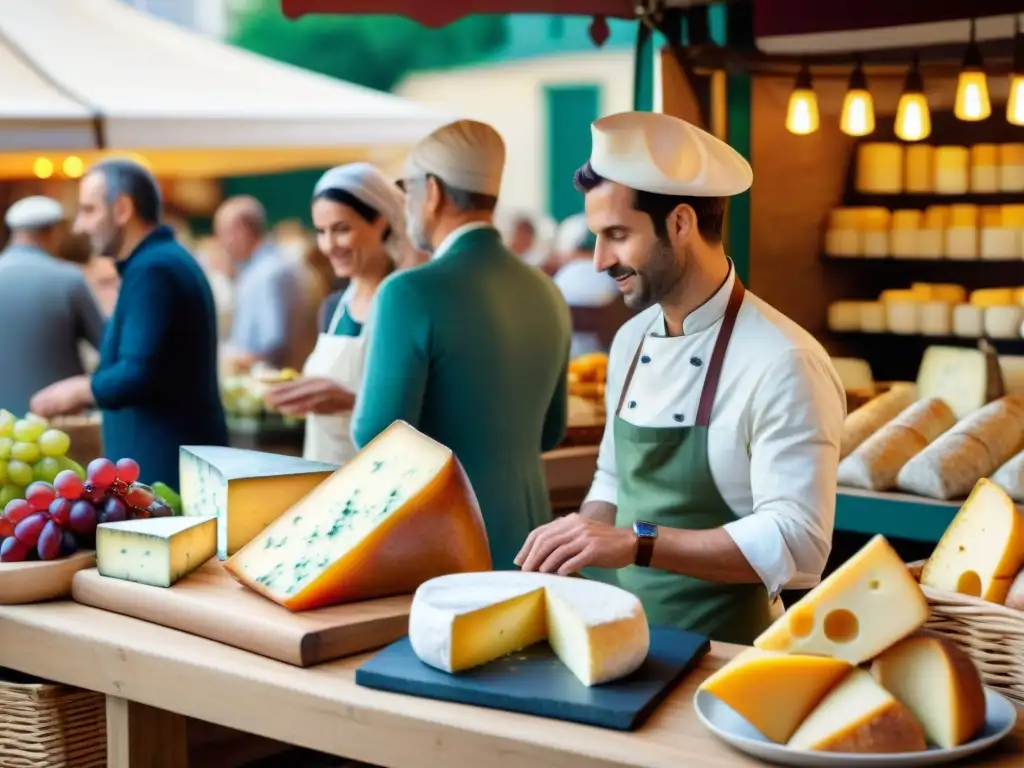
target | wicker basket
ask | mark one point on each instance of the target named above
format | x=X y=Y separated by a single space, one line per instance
x=44 y=725
x=991 y=634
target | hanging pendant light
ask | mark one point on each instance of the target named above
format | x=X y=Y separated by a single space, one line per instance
x=913 y=117
x=802 y=113
x=972 y=100
x=858 y=116
x=1015 y=102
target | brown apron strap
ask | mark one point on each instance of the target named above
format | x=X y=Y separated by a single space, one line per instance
x=629 y=373
x=707 y=393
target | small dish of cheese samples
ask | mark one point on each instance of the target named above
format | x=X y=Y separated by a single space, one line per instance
x=822 y=688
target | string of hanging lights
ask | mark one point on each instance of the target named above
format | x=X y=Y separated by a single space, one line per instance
x=913 y=116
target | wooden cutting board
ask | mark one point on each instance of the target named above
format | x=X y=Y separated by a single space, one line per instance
x=211 y=604
x=40 y=580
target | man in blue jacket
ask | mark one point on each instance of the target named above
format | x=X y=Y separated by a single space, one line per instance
x=157 y=378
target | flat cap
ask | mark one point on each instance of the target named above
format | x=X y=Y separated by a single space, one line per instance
x=33 y=212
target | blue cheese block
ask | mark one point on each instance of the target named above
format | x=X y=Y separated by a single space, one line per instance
x=156 y=551
x=245 y=490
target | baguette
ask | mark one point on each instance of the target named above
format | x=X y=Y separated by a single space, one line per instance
x=876 y=462
x=1010 y=477
x=875 y=414
x=972 y=449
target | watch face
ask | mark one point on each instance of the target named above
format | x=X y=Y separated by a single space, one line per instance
x=646 y=530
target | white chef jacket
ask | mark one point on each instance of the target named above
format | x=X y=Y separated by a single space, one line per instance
x=773 y=442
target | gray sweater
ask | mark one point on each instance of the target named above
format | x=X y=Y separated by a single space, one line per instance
x=46 y=307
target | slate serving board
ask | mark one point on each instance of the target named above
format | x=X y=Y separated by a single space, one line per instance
x=535 y=682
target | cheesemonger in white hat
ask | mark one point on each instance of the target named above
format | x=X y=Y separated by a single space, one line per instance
x=716 y=477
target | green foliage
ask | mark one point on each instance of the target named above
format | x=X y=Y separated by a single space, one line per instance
x=375 y=51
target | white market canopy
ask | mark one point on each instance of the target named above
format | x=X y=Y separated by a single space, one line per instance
x=79 y=77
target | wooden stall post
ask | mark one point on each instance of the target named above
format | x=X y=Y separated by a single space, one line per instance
x=139 y=736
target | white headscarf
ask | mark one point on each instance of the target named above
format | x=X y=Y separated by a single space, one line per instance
x=370 y=186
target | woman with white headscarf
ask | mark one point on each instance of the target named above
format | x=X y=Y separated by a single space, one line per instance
x=358 y=215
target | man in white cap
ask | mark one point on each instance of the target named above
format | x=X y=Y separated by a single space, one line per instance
x=716 y=479
x=472 y=347
x=46 y=305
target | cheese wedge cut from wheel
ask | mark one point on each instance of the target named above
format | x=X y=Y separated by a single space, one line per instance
x=982 y=550
x=775 y=692
x=462 y=621
x=864 y=606
x=157 y=551
x=402 y=511
x=860 y=716
x=245 y=490
x=938 y=683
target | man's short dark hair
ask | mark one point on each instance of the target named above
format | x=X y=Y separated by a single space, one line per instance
x=465 y=201
x=128 y=178
x=710 y=210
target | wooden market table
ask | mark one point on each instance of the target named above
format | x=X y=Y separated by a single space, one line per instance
x=155 y=677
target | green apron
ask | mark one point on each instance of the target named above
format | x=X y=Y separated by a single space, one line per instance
x=664 y=478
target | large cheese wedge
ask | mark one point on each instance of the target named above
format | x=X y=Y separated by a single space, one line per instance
x=402 y=511
x=938 y=683
x=775 y=692
x=864 y=606
x=965 y=379
x=157 y=551
x=245 y=490
x=461 y=621
x=860 y=716
x=982 y=550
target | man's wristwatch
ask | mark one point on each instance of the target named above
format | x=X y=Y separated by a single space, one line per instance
x=646 y=533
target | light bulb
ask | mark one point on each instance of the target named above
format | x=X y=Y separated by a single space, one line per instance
x=42 y=168
x=1015 y=101
x=972 y=102
x=858 y=115
x=73 y=167
x=802 y=113
x=913 y=117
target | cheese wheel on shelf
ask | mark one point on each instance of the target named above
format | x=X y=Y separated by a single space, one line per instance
x=877 y=461
x=1010 y=477
x=860 y=424
x=750 y=684
x=879 y=168
x=984 y=168
x=1004 y=322
x=860 y=716
x=936 y=318
x=402 y=511
x=982 y=549
x=951 y=708
x=968 y=321
x=903 y=236
x=993 y=297
x=919 y=176
x=936 y=217
x=952 y=170
x=464 y=620
x=1000 y=244
x=876 y=244
x=1012 y=368
x=950 y=293
x=872 y=317
x=854 y=373
x=839 y=617
x=1011 y=167
x=844 y=316
x=978 y=445
x=961 y=377
x=961 y=244
x=903 y=317
x=844 y=236
x=1012 y=215
x=876 y=222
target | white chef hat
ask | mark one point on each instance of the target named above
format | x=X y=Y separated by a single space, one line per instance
x=367 y=184
x=466 y=154
x=34 y=212
x=654 y=152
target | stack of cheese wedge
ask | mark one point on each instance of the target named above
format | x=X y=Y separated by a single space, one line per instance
x=846 y=669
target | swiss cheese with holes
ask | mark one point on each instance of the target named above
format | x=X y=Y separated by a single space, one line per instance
x=982 y=550
x=862 y=608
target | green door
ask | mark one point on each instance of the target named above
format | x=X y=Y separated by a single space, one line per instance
x=570 y=111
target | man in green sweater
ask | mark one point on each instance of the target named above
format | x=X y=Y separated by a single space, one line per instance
x=472 y=347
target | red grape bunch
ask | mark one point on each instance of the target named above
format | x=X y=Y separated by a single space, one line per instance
x=55 y=520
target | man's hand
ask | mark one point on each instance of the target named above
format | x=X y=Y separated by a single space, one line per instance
x=573 y=542
x=71 y=395
x=309 y=395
